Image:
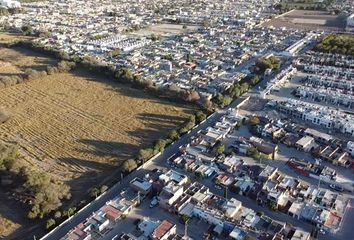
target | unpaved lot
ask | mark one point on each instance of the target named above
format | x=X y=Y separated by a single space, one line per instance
x=69 y=124
x=309 y=20
x=80 y=128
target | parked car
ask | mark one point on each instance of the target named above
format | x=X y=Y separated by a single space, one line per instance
x=336 y=187
x=154 y=202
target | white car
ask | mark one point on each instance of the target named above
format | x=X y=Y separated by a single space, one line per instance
x=154 y=202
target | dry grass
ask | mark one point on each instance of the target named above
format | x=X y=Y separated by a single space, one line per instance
x=69 y=125
x=75 y=126
x=6 y=37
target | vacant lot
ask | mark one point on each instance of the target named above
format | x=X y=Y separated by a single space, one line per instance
x=166 y=29
x=309 y=20
x=76 y=126
x=71 y=124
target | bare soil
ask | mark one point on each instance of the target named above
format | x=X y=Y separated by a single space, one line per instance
x=77 y=127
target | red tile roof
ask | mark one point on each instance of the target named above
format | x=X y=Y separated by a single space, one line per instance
x=112 y=213
x=162 y=229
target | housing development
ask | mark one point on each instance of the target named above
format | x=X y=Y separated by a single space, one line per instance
x=189 y=119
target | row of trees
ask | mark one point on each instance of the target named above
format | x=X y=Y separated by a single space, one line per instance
x=337 y=44
x=59 y=216
x=45 y=192
x=31 y=74
x=147 y=153
x=238 y=89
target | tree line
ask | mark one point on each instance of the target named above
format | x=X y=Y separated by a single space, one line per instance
x=31 y=74
x=238 y=89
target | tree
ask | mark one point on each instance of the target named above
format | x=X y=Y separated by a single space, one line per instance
x=159 y=145
x=184 y=26
x=273 y=206
x=220 y=149
x=50 y=223
x=129 y=166
x=69 y=212
x=94 y=192
x=191 y=96
x=173 y=135
x=190 y=123
x=103 y=188
x=4 y=116
x=185 y=219
x=35 y=211
x=189 y=58
x=207 y=104
x=200 y=116
x=27 y=30
x=222 y=100
x=253 y=152
x=244 y=87
x=57 y=214
x=255 y=79
x=145 y=154
x=115 y=52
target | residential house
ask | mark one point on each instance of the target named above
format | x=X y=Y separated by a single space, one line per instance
x=164 y=231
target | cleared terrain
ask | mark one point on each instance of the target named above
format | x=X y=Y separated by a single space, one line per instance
x=309 y=20
x=76 y=126
x=166 y=29
x=71 y=124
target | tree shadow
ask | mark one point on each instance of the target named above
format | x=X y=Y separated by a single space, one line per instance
x=117 y=150
x=161 y=118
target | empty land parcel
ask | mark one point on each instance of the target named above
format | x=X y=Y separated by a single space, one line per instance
x=79 y=127
x=309 y=20
x=68 y=124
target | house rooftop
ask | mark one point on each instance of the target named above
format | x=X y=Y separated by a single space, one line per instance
x=162 y=229
x=300 y=235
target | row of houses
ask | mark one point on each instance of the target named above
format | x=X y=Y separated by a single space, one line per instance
x=332 y=96
x=326 y=117
x=322 y=145
x=102 y=220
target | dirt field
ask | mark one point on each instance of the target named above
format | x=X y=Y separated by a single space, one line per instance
x=78 y=127
x=70 y=125
x=165 y=29
x=309 y=20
